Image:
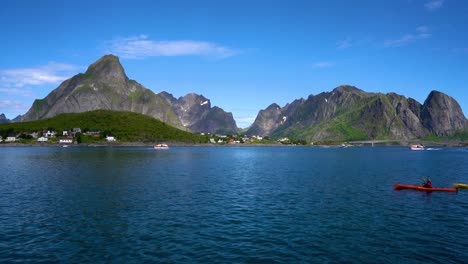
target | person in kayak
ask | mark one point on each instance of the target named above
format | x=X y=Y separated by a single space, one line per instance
x=427 y=183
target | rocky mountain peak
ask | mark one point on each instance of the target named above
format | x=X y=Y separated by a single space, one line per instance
x=273 y=106
x=107 y=68
x=3 y=119
x=349 y=113
x=442 y=114
x=195 y=113
x=347 y=89
x=168 y=97
x=195 y=100
x=106 y=86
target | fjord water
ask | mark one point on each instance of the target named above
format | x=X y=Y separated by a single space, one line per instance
x=231 y=204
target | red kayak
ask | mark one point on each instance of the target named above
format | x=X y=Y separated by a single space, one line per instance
x=420 y=188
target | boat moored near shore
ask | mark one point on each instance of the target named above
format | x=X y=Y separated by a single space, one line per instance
x=161 y=146
x=417 y=147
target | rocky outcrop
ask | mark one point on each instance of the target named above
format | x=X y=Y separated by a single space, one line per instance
x=267 y=121
x=196 y=114
x=103 y=86
x=106 y=86
x=348 y=113
x=442 y=115
x=3 y=119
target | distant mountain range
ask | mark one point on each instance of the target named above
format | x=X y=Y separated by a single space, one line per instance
x=3 y=119
x=106 y=86
x=346 y=113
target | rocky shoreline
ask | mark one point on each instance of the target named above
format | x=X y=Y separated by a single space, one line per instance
x=183 y=144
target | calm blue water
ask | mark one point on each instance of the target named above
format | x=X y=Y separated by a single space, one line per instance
x=232 y=204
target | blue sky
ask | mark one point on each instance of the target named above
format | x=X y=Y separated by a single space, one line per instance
x=242 y=55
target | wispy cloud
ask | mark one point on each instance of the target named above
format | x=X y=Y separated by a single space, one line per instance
x=460 y=50
x=344 y=44
x=323 y=64
x=51 y=73
x=421 y=32
x=24 y=92
x=245 y=121
x=141 y=47
x=13 y=106
x=433 y=5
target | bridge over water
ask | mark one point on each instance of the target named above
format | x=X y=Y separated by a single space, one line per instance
x=376 y=142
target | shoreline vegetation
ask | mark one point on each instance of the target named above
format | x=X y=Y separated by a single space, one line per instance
x=184 y=144
x=120 y=129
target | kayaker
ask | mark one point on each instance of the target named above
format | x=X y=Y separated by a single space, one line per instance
x=428 y=183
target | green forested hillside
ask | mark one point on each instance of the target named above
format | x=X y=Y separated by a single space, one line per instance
x=125 y=126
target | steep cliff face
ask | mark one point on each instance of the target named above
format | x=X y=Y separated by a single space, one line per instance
x=408 y=111
x=442 y=115
x=3 y=119
x=348 y=113
x=267 y=121
x=196 y=114
x=103 y=86
x=106 y=86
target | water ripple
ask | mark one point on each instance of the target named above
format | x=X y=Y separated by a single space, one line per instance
x=230 y=205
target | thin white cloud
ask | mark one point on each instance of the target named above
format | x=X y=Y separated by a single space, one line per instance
x=344 y=44
x=421 y=32
x=433 y=5
x=460 y=50
x=24 y=92
x=323 y=64
x=51 y=73
x=141 y=47
x=245 y=121
x=16 y=106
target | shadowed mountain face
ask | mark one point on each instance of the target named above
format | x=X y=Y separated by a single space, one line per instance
x=195 y=113
x=348 y=113
x=106 y=86
x=3 y=119
x=441 y=114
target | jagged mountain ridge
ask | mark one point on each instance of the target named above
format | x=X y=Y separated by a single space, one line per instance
x=106 y=86
x=345 y=113
x=195 y=113
x=348 y=113
x=3 y=119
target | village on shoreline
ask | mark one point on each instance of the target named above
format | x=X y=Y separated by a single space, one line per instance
x=98 y=138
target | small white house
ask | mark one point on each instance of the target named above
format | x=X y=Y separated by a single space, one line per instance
x=66 y=140
x=10 y=139
x=1 y=139
x=110 y=139
x=65 y=133
x=42 y=139
x=50 y=133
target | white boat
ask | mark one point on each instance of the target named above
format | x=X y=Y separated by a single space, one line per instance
x=161 y=146
x=417 y=147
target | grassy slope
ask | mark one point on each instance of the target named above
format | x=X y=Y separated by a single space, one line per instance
x=348 y=124
x=125 y=126
x=357 y=123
